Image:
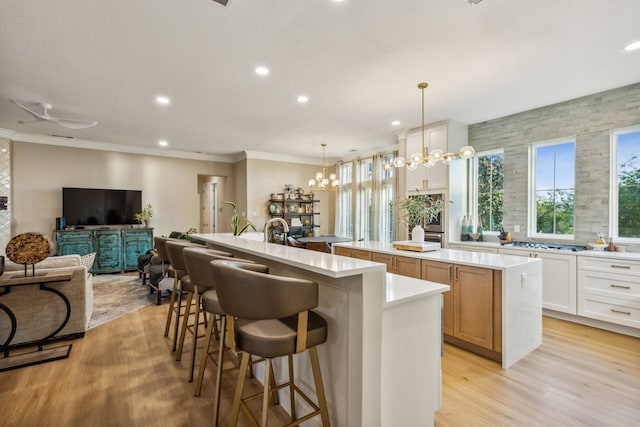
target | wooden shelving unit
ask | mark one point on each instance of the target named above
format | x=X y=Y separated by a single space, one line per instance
x=299 y=213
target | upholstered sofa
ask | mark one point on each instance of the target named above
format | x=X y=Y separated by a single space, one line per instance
x=38 y=313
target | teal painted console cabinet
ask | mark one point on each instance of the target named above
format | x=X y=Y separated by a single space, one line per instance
x=116 y=249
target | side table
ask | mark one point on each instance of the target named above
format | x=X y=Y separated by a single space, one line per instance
x=42 y=354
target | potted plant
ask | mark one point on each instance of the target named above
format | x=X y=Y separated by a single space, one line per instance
x=146 y=215
x=235 y=221
x=416 y=211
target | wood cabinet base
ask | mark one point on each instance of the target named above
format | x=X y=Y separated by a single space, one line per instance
x=489 y=354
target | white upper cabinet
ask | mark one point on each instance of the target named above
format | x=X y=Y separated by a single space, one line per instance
x=447 y=136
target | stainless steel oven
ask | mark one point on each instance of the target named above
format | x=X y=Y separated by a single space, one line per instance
x=434 y=237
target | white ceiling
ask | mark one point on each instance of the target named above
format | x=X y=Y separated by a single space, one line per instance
x=359 y=61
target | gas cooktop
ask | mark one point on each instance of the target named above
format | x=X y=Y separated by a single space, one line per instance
x=542 y=245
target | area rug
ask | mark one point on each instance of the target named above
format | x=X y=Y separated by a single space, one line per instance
x=115 y=295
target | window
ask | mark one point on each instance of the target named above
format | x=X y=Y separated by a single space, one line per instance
x=489 y=177
x=625 y=184
x=344 y=202
x=364 y=203
x=370 y=191
x=552 y=169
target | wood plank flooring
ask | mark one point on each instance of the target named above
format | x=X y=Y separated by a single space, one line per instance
x=123 y=374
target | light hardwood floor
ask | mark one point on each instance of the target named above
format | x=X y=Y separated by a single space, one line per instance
x=123 y=374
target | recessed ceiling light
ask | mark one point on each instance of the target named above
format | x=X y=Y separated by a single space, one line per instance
x=303 y=98
x=632 y=46
x=263 y=71
x=163 y=143
x=395 y=123
x=163 y=100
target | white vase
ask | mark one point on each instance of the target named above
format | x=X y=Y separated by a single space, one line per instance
x=417 y=234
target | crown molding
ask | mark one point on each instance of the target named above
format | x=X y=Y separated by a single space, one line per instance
x=257 y=155
x=7 y=133
x=110 y=146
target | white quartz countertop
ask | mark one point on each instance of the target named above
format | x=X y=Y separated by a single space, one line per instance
x=634 y=256
x=401 y=289
x=317 y=262
x=474 y=259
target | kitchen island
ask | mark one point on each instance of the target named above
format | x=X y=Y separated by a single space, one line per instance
x=495 y=307
x=376 y=372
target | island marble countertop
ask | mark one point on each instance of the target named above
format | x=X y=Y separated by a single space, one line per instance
x=317 y=262
x=474 y=259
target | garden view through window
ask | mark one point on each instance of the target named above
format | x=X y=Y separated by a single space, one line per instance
x=554 y=184
x=627 y=177
x=490 y=189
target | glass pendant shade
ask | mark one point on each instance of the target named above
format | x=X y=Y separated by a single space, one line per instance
x=429 y=158
x=320 y=181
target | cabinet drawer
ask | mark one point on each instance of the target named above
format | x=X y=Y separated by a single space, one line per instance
x=610 y=265
x=611 y=285
x=360 y=254
x=610 y=310
x=71 y=236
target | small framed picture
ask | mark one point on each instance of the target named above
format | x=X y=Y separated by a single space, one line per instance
x=309 y=208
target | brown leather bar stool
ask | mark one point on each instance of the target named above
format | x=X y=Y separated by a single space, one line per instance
x=174 y=251
x=163 y=269
x=198 y=266
x=270 y=316
x=196 y=260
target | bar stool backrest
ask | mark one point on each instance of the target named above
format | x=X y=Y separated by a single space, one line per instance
x=197 y=261
x=160 y=244
x=174 y=250
x=249 y=294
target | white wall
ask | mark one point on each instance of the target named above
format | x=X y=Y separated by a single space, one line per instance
x=171 y=185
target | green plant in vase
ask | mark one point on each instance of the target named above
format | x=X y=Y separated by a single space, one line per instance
x=416 y=211
x=145 y=216
x=235 y=221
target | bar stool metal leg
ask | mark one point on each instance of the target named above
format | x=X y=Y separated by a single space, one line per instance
x=172 y=302
x=185 y=324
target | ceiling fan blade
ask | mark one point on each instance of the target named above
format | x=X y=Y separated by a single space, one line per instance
x=74 y=124
x=223 y=2
x=27 y=109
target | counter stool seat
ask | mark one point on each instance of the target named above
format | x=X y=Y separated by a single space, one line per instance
x=210 y=302
x=278 y=337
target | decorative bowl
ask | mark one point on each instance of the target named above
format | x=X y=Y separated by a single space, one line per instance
x=597 y=246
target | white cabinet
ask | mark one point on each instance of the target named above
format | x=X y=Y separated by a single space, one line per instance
x=435 y=177
x=609 y=290
x=559 y=287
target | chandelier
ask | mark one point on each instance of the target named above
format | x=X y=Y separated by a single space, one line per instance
x=426 y=158
x=321 y=182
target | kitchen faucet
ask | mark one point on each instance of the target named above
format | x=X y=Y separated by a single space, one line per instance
x=285 y=229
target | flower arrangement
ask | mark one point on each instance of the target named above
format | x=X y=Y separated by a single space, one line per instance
x=146 y=214
x=235 y=221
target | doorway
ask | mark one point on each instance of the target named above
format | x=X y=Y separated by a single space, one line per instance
x=213 y=207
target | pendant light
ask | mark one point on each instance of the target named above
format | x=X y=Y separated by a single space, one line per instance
x=426 y=158
x=322 y=182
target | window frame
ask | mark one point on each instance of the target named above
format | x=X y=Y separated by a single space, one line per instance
x=613 y=184
x=474 y=188
x=532 y=210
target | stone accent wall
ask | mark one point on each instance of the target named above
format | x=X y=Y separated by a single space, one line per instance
x=590 y=119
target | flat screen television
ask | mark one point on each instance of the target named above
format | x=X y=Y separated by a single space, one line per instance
x=93 y=206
